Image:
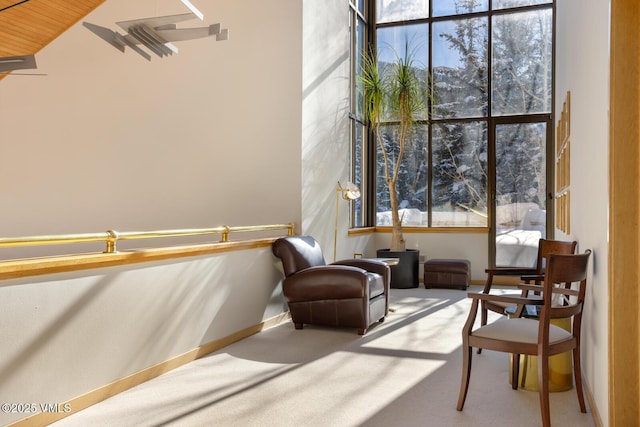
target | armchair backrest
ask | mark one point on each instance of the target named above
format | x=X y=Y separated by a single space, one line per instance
x=298 y=253
x=547 y=247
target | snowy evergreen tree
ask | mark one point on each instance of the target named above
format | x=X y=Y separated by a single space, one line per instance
x=460 y=148
x=521 y=65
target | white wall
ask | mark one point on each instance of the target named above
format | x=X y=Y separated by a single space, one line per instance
x=207 y=137
x=325 y=124
x=583 y=68
x=110 y=140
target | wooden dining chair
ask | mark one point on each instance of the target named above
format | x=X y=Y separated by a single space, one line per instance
x=545 y=247
x=534 y=337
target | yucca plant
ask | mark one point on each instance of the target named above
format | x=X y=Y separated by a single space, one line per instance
x=398 y=94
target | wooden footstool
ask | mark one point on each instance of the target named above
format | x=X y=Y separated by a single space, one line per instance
x=447 y=273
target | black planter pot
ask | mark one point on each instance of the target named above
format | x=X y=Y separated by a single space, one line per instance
x=405 y=274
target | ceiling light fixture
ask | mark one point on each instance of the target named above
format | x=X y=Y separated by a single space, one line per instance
x=157 y=33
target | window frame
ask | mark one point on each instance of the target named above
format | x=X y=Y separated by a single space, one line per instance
x=362 y=151
x=369 y=189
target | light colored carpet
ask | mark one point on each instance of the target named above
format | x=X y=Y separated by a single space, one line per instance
x=403 y=372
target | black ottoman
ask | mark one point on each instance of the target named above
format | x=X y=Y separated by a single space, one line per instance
x=447 y=273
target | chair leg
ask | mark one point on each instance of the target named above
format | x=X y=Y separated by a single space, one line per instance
x=483 y=318
x=483 y=309
x=298 y=325
x=515 y=370
x=543 y=386
x=483 y=314
x=362 y=331
x=577 y=374
x=466 y=374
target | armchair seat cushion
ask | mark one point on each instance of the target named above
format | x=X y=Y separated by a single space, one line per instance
x=325 y=282
x=520 y=330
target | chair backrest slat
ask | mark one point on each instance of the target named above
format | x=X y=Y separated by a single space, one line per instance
x=565 y=311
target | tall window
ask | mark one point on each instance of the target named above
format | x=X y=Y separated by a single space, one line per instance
x=490 y=63
x=358 y=27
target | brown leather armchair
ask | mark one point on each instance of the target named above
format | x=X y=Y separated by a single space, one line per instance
x=349 y=293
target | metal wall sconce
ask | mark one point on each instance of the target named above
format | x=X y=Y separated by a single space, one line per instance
x=349 y=192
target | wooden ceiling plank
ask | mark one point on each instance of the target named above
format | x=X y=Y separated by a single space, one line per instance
x=76 y=8
x=28 y=27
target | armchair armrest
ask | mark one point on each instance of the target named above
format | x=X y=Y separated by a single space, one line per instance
x=482 y=297
x=505 y=271
x=527 y=287
x=371 y=265
x=326 y=282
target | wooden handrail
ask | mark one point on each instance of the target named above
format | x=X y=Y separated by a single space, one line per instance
x=111 y=237
x=20 y=268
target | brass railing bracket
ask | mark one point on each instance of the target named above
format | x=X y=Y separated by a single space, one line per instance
x=112 y=238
